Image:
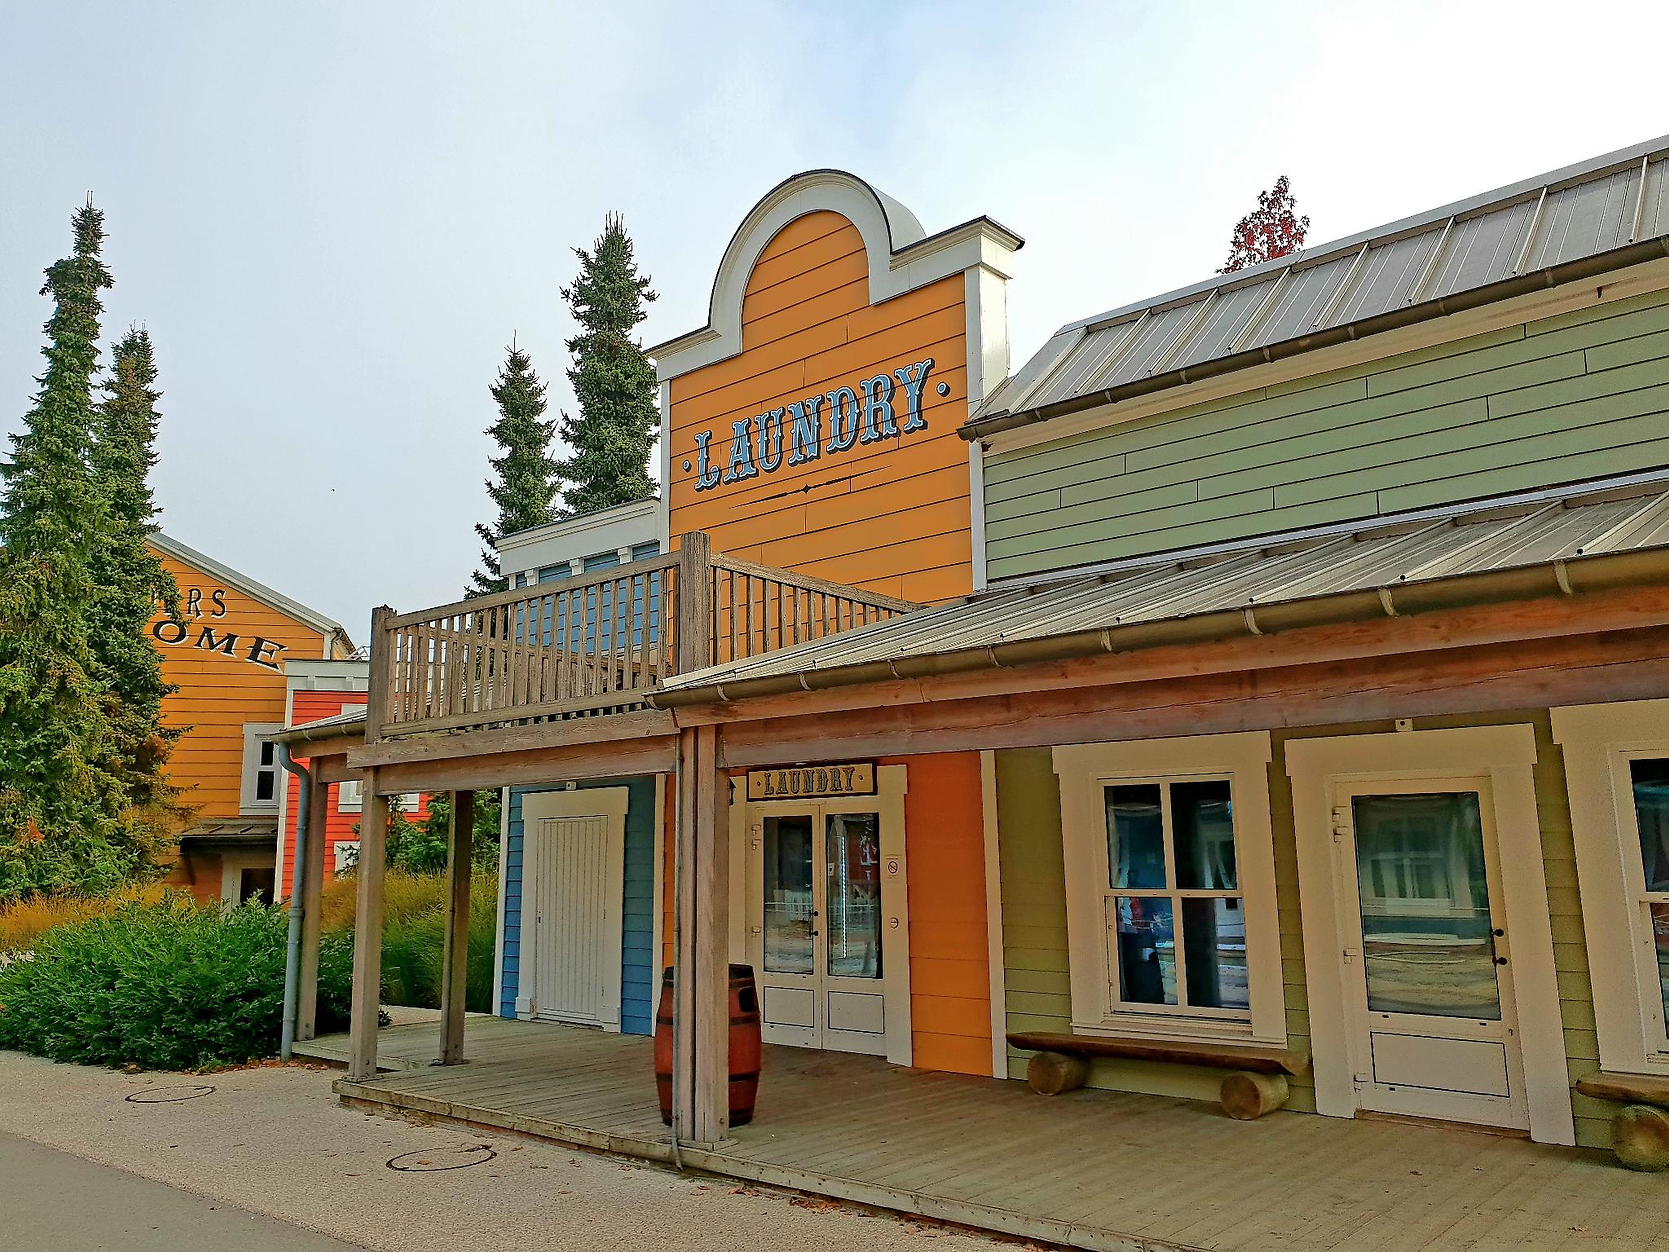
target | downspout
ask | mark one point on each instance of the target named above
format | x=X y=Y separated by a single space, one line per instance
x=298 y=877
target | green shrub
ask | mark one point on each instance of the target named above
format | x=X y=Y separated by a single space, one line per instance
x=169 y=985
x=414 y=934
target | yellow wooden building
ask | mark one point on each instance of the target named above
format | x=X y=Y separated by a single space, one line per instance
x=226 y=652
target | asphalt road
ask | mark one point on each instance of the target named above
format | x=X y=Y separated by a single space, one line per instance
x=56 y=1202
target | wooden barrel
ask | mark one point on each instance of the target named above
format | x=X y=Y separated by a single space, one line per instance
x=746 y=1047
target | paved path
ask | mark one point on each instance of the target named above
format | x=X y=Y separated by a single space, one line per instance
x=55 y=1200
x=275 y=1143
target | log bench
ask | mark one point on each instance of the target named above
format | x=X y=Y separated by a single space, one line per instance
x=1640 y=1129
x=1256 y=1085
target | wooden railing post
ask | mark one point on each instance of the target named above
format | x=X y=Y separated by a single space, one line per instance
x=382 y=668
x=695 y=601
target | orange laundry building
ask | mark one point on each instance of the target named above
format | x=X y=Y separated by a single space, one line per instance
x=228 y=653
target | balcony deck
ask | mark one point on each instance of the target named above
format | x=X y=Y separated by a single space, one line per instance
x=1094 y=1169
x=594 y=645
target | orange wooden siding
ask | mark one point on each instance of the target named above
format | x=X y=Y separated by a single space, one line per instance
x=891 y=516
x=218 y=693
x=950 y=971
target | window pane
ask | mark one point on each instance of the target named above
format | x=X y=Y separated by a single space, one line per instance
x=1136 y=836
x=1146 y=950
x=1660 y=934
x=266 y=752
x=1214 y=942
x=1204 y=820
x=1426 y=945
x=788 y=895
x=1651 y=810
x=263 y=784
x=854 y=895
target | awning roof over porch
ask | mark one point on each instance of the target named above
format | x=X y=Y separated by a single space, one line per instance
x=1512 y=547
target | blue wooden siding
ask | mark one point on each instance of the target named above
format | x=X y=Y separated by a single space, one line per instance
x=637 y=955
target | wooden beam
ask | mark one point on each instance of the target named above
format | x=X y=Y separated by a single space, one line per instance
x=335 y=769
x=695 y=601
x=571 y=732
x=455 y=956
x=712 y=944
x=684 y=932
x=382 y=663
x=1620 y=665
x=311 y=902
x=367 y=982
x=1627 y=608
x=610 y=759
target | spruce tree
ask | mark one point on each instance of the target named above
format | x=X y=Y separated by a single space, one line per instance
x=613 y=380
x=523 y=486
x=60 y=794
x=129 y=577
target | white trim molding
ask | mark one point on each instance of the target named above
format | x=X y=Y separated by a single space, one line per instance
x=902 y=257
x=1085 y=770
x=1503 y=755
x=1599 y=741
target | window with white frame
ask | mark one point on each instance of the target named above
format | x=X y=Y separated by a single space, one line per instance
x=346 y=855
x=1171 y=914
x=349 y=796
x=260 y=769
x=1617 y=773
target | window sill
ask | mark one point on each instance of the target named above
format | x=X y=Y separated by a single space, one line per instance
x=1189 y=1030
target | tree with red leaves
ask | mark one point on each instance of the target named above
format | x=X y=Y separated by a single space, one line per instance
x=1269 y=231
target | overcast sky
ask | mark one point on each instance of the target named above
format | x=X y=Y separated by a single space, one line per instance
x=332 y=217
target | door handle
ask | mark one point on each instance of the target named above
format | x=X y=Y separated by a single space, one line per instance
x=1494 y=948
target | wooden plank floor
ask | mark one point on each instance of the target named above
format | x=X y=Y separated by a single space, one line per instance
x=1093 y=1169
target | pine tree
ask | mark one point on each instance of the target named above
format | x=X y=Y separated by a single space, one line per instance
x=613 y=380
x=129 y=577
x=1271 y=230
x=60 y=795
x=525 y=486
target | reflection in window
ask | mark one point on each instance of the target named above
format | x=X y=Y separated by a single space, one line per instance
x=1650 y=778
x=1426 y=945
x=1170 y=851
x=853 y=874
x=788 y=905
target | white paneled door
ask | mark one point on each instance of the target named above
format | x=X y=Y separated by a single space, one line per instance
x=572 y=910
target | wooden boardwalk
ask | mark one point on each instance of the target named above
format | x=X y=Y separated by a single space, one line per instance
x=1092 y=1169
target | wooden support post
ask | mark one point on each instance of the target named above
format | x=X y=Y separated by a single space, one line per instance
x=311 y=902
x=701 y=1096
x=382 y=668
x=455 y=958
x=366 y=1003
x=1052 y=1073
x=695 y=601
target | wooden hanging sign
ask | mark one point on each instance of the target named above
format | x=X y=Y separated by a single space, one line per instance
x=812 y=782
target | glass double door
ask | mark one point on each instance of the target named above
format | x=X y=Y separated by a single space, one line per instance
x=818 y=926
x=1425 y=959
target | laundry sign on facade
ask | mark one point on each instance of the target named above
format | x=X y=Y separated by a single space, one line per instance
x=885 y=406
x=812 y=782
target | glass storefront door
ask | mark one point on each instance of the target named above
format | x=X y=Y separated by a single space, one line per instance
x=1426 y=952
x=815 y=881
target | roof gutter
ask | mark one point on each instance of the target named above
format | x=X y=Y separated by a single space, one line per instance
x=323 y=734
x=1476 y=297
x=1561 y=577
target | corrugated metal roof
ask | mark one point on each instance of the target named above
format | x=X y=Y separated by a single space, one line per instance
x=1581 y=212
x=1520 y=531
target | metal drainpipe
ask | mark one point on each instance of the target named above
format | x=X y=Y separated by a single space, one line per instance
x=298 y=876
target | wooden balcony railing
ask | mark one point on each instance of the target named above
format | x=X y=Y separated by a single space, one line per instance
x=595 y=643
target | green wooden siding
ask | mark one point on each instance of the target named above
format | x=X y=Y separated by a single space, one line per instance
x=1035 y=954
x=1576 y=396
